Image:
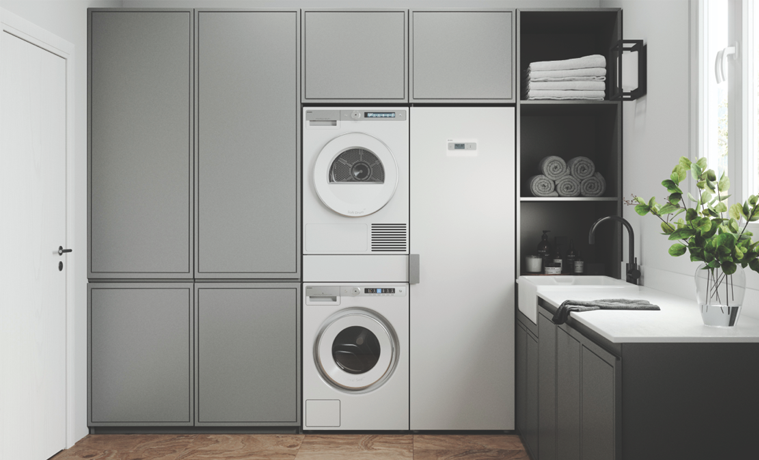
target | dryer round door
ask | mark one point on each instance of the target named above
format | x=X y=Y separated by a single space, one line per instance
x=356 y=350
x=355 y=175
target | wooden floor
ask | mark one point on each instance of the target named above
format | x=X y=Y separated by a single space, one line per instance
x=295 y=447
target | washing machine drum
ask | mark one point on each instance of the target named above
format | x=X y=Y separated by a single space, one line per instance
x=356 y=350
x=355 y=175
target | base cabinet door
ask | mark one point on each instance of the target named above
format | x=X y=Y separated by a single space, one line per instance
x=547 y=389
x=530 y=433
x=247 y=354
x=140 y=355
x=567 y=396
x=597 y=407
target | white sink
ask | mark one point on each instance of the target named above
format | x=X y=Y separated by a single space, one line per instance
x=531 y=286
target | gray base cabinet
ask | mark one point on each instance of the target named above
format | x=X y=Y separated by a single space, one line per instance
x=248 y=352
x=527 y=388
x=355 y=56
x=462 y=56
x=140 y=144
x=598 y=400
x=140 y=354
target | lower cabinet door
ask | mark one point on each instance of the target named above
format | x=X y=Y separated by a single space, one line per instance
x=531 y=435
x=597 y=407
x=248 y=351
x=140 y=354
x=547 y=389
x=567 y=396
x=521 y=378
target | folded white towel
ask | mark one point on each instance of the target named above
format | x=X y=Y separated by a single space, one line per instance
x=593 y=73
x=593 y=186
x=568 y=186
x=553 y=167
x=585 y=62
x=541 y=185
x=581 y=167
x=568 y=85
x=538 y=94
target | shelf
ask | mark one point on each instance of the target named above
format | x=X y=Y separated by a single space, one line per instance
x=569 y=108
x=568 y=198
x=567 y=102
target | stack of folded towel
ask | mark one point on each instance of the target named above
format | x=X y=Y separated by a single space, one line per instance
x=579 y=78
x=575 y=177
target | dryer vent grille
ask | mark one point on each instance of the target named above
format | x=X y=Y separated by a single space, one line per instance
x=389 y=237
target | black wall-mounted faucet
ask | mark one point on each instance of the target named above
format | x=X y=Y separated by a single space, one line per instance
x=633 y=273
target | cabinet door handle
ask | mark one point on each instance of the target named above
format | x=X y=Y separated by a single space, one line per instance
x=62 y=251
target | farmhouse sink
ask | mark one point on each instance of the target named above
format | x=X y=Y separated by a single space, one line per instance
x=531 y=286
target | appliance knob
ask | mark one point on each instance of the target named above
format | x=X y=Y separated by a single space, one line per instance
x=356 y=115
x=356 y=290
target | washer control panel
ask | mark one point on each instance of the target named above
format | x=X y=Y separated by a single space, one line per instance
x=392 y=291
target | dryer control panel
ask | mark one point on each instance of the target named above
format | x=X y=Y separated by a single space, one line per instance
x=320 y=117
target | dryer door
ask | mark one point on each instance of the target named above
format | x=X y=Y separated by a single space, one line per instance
x=356 y=350
x=355 y=175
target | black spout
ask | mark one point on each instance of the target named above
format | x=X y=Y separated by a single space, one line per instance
x=633 y=273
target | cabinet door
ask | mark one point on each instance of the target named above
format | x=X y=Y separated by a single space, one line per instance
x=248 y=354
x=140 y=354
x=567 y=396
x=354 y=55
x=597 y=407
x=462 y=56
x=140 y=158
x=530 y=434
x=521 y=378
x=248 y=129
x=547 y=389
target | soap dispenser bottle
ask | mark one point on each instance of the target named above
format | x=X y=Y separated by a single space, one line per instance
x=571 y=257
x=544 y=248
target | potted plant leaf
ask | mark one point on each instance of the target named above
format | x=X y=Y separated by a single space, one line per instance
x=713 y=234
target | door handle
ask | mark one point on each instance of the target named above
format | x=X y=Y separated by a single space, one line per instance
x=62 y=251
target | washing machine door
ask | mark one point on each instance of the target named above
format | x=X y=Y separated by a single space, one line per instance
x=355 y=175
x=356 y=350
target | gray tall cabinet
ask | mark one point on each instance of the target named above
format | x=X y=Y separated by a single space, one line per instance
x=194 y=217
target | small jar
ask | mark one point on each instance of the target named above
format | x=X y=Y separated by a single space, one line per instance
x=534 y=264
x=579 y=267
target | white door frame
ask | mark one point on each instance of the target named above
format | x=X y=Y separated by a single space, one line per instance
x=25 y=30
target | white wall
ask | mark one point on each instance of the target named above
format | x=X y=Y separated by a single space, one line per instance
x=362 y=3
x=658 y=131
x=68 y=20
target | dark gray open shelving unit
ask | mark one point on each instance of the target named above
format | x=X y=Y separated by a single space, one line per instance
x=569 y=129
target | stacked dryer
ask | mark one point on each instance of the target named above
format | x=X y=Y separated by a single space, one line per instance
x=355 y=268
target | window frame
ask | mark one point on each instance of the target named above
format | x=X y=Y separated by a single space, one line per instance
x=741 y=97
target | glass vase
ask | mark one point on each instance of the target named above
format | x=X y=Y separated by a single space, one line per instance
x=720 y=296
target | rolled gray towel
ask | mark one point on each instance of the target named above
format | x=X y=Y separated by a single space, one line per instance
x=568 y=186
x=553 y=167
x=540 y=185
x=581 y=167
x=593 y=186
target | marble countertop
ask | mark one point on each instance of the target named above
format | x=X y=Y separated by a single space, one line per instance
x=679 y=319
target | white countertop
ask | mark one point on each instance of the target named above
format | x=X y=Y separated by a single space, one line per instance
x=679 y=319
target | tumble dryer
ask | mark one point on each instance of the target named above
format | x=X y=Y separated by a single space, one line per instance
x=356 y=356
x=355 y=180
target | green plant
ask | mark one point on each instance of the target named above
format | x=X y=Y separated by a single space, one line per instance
x=712 y=233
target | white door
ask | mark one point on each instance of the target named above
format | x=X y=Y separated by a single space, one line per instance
x=462 y=227
x=33 y=226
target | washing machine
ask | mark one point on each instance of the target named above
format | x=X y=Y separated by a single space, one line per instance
x=355 y=180
x=355 y=356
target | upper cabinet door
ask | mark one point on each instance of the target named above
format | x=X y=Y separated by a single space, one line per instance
x=140 y=144
x=462 y=56
x=355 y=56
x=248 y=151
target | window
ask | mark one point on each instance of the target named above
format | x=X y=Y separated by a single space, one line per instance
x=729 y=75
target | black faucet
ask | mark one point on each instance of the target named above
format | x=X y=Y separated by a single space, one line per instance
x=633 y=273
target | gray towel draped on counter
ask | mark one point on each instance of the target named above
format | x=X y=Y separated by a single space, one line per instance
x=569 y=306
